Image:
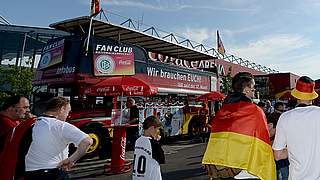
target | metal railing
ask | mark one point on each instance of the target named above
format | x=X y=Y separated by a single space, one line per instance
x=138 y=25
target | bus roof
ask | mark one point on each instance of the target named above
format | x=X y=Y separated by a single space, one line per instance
x=166 y=45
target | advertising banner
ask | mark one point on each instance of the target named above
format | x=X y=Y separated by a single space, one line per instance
x=208 y=65
x=52 y=54
x=214 y=83
x=171 y=119
x=172 y=78
x=177 y=120
x=113 y=59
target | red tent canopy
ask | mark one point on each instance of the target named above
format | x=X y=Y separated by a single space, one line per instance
x=211 y=96
x=121 y=85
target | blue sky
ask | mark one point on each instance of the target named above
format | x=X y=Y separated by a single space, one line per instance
x=281 y=34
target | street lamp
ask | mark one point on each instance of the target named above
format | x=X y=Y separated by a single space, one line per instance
x=24 y=45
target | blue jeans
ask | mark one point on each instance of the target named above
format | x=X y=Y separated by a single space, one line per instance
x=283 y=173
x=282 y=169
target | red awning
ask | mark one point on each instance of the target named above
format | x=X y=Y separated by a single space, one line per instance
x=211 y=96
x=121 y=85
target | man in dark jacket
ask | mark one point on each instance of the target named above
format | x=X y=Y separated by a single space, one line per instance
x=132 y=132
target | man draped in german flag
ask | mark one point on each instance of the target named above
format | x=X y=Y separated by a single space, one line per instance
x=239 y=145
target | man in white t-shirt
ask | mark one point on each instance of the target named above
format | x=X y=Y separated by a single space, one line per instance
x=148 y=154
x=47 y=157
x=298 y=132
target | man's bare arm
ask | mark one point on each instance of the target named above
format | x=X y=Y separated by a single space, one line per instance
x=280 y=154
x=134 y=121
x=81 y=151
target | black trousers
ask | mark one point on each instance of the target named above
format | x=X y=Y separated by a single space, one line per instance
x=46 y=174
x=132 y=136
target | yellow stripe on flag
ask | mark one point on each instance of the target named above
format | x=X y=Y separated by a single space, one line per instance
x=241 y=151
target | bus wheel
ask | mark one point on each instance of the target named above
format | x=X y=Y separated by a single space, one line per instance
x=106 y=146
x=101 y=146
x=97 y=138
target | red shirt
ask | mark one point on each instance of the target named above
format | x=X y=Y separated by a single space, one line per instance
x=6 y=124
x=9 y=157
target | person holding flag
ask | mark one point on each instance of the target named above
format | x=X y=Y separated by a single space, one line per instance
x=239 y=146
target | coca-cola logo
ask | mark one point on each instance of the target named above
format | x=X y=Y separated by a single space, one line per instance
x=123 y=148
x=134 y=88
x=125 y=62
x=104 y=89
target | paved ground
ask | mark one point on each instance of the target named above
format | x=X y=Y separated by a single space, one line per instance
x=183 y=161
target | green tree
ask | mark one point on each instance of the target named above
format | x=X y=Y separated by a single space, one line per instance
x=15 y=81
x=226 y=82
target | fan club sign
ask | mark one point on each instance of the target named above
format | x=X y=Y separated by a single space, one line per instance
x=111 y=60
x=52 y=54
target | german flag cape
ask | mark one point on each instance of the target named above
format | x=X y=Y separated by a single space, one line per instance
x=240 y=139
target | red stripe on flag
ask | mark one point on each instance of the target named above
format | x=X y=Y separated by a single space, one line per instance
x=95 y=7
x=243 y=118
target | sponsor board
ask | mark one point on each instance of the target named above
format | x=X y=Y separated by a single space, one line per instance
x=51 y=54
x=110 y=60
x=160 y=77
x=199 y=64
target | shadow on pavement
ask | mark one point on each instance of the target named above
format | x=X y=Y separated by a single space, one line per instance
x=185 y=174
x=85 y=176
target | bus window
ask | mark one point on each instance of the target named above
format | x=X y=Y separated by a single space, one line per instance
x=53 y=91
